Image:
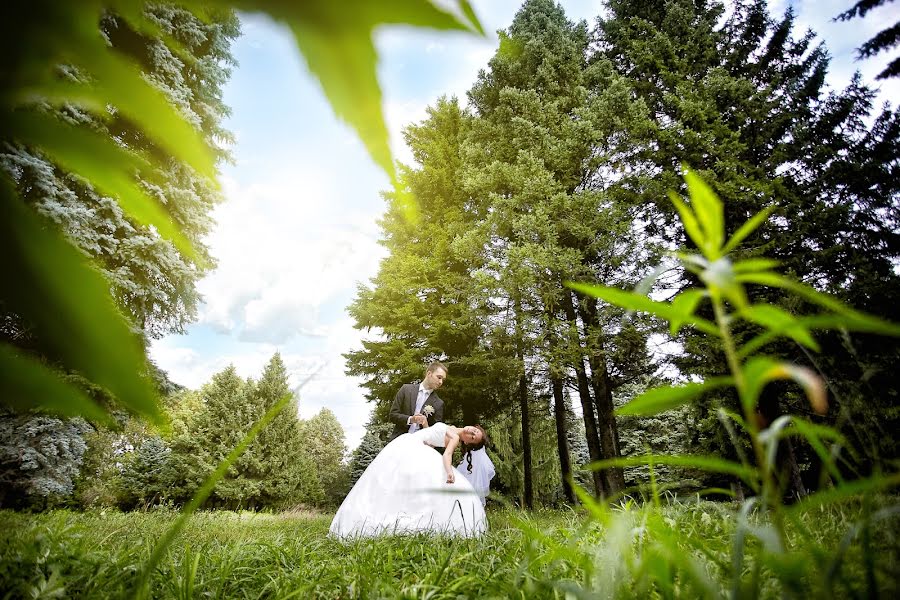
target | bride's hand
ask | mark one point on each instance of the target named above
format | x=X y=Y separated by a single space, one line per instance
x=451 y=476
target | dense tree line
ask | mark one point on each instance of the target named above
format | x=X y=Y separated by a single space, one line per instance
x=558 y=169
x=70 y=462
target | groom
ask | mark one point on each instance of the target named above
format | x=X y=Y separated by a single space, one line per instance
x=408 y=412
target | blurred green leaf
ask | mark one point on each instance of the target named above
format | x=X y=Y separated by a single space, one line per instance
x=761 y=370
x=107 y=166
x=854 y=319
x=117 y=82
x=710 y=213
x=753 y=265
x=68 y=304
x=666 y=398
x=778 y=320
x=25 y=378
x=814 y=434
x=849 y=489
x=633 y=301
x=689 y=221
x=771 y=436
x=746 y=229
x=335 y=39
x=685 y=303
x=712 y=464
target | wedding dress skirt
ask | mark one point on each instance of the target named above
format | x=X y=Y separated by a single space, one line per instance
x=405 y=490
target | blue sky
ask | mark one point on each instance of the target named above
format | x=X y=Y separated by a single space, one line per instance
x=298 y=229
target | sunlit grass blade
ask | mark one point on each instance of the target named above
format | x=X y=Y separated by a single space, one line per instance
x=632 y=301
x=776 y=319
x=107 y=166
x=26 y=383
x=68 y=304
x=665 y=398
x=203 y=493
x=706 y=463
x=746 y=229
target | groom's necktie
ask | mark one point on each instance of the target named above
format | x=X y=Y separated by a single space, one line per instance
x=420 y=402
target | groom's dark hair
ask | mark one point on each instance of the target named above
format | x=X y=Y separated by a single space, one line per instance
x=435 y=366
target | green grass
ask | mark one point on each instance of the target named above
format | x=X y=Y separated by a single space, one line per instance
x=683 y=549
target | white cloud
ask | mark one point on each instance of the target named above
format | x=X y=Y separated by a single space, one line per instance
x=285 y=249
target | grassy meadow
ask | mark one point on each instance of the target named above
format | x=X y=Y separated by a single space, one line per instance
x=676 y=549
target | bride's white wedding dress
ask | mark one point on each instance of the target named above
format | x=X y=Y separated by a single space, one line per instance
x=405 y=490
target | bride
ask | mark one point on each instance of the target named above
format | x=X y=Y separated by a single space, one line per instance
x=410 y=488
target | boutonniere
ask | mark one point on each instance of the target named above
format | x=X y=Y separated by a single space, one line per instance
x=428 y=410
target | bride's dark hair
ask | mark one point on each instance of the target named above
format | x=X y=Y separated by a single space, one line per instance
x=467 y=449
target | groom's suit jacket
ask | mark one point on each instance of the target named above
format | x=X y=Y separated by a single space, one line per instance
x=404 y=406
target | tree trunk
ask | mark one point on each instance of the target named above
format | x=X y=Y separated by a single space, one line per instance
x=606 y=419
x=562 y=444
x=787 y=469
x=526 y=441
x=587 y=404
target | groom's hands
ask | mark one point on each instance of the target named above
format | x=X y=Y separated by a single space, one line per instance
x=420 y=420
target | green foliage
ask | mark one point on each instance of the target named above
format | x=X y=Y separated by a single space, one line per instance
x=323 y=442
x=110 y=122
x=506 y=454
x=425 y=301
x=725 y=282
x=746 y=104
x=883 y=40
x=146 y=474
x=374 y=440
x=277 y=469
x=40 y=457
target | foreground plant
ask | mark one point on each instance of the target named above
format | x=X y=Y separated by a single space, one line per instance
x=725 y=279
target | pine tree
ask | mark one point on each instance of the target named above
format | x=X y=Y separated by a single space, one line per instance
x=428 y=301
x=147 y=476
x=323 y=442
x=39 y=458
x=153 y=283
x=374 y=440
x=883 y=40
x=541 y=151
x=746 y=106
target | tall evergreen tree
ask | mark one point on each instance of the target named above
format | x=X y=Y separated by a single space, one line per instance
x=426 y=303
x=745 y=104
x=153 y=282
x=538 y=149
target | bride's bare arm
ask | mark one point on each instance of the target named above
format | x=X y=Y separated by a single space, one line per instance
x=451 y=441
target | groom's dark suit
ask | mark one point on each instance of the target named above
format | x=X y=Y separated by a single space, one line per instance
x=404 y=406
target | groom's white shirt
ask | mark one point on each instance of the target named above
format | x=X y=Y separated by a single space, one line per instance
x=420 y=402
